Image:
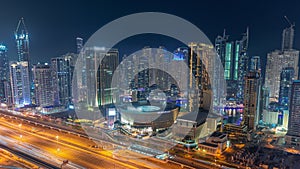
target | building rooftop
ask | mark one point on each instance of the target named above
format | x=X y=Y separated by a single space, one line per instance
x=218 y=134
x=209 y=144
x=198 y=117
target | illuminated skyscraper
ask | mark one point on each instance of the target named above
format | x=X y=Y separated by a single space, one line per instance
x=288 y=37
x=20 y=86
x=94 y=79
x=293 y=134
x=279 y=59
x=4 y=73
x=105 y=73
x=43 y=85
x=276 y=61
x=251 y=100
x=22 y=41
x=201 y=64
x=62 y=74
x=286 y=79
x=234 y=58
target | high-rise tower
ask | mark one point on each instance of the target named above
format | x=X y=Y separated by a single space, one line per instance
x=286 y=79
x=62 y=74
x=43 y=85
x=22 y=41
x=251 y=100
x=20 y=87
x=293 y=134
x=4 y=72
x=288 y=36
x=233 y=55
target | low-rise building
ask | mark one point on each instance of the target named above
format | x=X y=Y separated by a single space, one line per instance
x=215 y=144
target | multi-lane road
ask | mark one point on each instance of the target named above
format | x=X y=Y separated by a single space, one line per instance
x=49 y=144
x=53 y=147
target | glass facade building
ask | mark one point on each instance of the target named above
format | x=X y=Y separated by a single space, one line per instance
x=4 y=73
x=42 y=76
x=233 y=55
x=22 y=41
x=293 y=134
x=20 y=86
x=286 y=79
x=62 y=74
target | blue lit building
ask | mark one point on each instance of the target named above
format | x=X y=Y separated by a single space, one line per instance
x=4 y=70
x=233 y=55
x=20 y=86
x=43 y=85
x=62 y=74
x=22 y=41
x=286 y=79
x=293 y=134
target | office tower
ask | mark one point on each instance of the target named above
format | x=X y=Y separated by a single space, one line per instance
x=62 y=74
x=4 y=73
x=233 y=55
x=105 y=74
x=286 y=78
x=201 y=72
x=288 y=37
x=22 y=41
x=255 y=64
x=276 y=61
x=20 y=86
x=251 y=100
x=42 y=75
x=79 y=44
x=179 y=67
x=293 y=134
x=94 y=79
x=242 y=59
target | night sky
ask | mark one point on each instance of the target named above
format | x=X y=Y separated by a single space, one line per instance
x=53 y=25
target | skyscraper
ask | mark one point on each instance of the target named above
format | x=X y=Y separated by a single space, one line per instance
x=201 y=63
x=20 y=86
x=22 y=41
x=279 y=59
x=62 y=74
x=243 y=59
x=293 y=134
x=4 y=73
x=79 y=44
x=94 y=79
x=286 y=79
x=276 y=61
x=233 y=55
x=105 y=74
x=43 y=85
x=288 y=36
x=251 y=100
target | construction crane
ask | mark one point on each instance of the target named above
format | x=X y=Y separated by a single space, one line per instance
x=287 y=19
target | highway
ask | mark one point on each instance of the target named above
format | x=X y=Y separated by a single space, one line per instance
x=64 y=144
x=78 y=150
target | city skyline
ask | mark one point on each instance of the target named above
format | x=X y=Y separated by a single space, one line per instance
x=59 y=34
x=161 y=85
